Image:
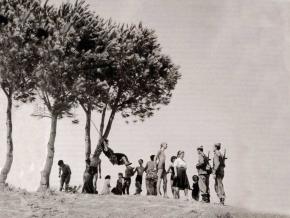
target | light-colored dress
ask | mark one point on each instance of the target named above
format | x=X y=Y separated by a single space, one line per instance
x=107 y=187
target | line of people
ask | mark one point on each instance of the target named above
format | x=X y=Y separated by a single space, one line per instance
x=156 y=173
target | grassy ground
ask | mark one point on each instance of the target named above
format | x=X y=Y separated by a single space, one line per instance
x=20 y=203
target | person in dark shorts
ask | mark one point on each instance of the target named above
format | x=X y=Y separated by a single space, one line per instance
x=172 y=176
x=64 y=174
x=140 y=170
x=118 y=190
x=195 y=188
x=115 y=158
x=129 y=172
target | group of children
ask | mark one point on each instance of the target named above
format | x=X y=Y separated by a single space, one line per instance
x=124 y=182
x=154 y=169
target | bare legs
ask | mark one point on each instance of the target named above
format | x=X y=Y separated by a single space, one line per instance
x=162 y=176
x=95 y=181
x=177 y=195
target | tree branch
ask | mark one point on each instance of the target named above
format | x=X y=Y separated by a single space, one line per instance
x=112 y=115
x=103 y=120
x=5 y=91
x=83 y=106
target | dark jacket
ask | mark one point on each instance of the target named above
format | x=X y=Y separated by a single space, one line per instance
x=201 y=165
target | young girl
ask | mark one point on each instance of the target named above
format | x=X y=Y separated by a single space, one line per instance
x=107 y=186
x=195 y=188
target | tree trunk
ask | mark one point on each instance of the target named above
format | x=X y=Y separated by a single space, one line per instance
x=88 y=134
x=103 y=121
x=9 y=155
x=109 y=124
x=45 y=173
x=105 y=135
x=98 y=149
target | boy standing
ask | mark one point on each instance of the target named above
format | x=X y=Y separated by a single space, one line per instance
x=129 y=172
x=64 y=174
x=140 y=170
x=162 y=175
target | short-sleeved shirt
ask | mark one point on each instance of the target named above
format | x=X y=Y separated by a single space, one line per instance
x=179 y=163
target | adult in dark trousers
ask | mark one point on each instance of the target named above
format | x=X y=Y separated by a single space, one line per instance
x=218 y=172
x=203 y=175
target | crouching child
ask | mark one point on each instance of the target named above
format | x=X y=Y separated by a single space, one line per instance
x=64 y=174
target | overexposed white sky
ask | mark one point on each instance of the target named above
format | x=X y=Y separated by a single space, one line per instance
x=235 y=89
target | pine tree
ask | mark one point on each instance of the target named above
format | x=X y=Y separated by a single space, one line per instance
x=18 y=58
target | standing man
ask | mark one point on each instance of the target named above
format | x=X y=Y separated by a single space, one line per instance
x=97 y=170
x=129 y=172
x=218 y=172
x=203 y=175
x=161 y=171
x=140 y=170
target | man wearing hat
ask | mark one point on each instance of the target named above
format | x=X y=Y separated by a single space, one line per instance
x=218 y=172
x=203 y=175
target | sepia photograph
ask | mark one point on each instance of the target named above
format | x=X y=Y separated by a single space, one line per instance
x=144 y=108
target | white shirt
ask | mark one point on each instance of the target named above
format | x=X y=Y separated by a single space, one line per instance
x=179 y=163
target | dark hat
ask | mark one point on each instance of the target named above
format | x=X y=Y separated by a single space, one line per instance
x=217 y=145
x=200 y=148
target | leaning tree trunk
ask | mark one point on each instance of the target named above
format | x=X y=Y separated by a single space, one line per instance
x=88 y=134
x=105 y=135
x=9 y=156
x=45 y=173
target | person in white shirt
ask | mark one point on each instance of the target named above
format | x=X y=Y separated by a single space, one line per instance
x=182 y=182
